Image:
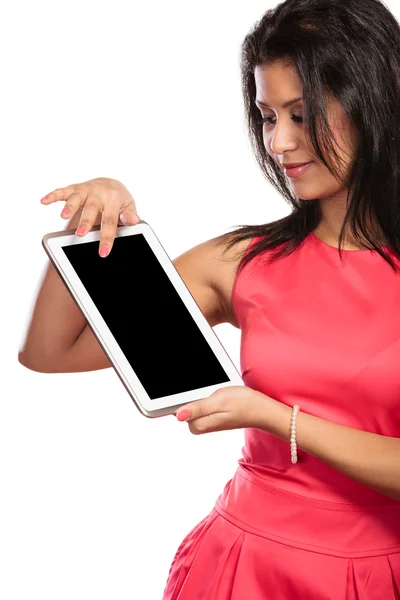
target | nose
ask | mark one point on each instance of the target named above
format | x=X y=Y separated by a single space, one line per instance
x=282 y=138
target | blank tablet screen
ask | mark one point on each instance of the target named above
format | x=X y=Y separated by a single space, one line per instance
x=147 y=317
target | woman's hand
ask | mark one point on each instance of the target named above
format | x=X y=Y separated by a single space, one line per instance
x=233 y=407
x=102 y=195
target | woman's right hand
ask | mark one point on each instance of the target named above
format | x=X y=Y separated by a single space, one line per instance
x=101 y=195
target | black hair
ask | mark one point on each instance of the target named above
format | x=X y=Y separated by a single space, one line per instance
x=349 y=50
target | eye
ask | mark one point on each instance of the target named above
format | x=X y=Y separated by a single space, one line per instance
x=294 y=118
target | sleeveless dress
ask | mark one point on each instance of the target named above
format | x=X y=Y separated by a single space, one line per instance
x=324 y=335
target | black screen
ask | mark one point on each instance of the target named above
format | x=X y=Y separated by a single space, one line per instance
x=146 y=316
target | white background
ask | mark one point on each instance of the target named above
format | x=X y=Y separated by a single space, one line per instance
x=94 y=497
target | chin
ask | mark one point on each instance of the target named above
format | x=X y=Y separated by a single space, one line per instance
x=307 y=199
x=310 y=196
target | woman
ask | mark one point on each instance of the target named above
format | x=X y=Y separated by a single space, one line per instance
x=313 y=510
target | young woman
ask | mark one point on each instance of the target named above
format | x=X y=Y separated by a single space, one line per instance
x=313 y=510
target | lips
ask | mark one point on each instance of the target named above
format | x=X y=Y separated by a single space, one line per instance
x=294 y=165
x=297 y=171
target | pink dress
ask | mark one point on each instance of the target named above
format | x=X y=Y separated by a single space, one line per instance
x=326 y=336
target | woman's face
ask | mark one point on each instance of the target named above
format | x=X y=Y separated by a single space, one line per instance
x=284 y=133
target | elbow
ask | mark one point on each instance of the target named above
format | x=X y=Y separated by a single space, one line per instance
x=39 y=366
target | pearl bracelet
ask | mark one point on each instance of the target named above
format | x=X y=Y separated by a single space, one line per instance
x=293 y=444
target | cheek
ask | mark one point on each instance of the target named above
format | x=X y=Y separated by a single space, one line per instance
x=344 y=134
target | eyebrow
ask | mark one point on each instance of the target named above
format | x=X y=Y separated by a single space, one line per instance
x=284 y=105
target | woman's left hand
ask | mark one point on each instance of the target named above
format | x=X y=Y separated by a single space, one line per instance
x=233 y=407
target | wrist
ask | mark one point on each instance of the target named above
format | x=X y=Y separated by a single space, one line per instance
x=276 y=418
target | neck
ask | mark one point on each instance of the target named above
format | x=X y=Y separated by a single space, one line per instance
x=329 y=228
x=331 y=237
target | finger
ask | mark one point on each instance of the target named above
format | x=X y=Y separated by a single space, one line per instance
x=109 y=225
x=129 y=217
x=209 y=423
x=75 y=201
x=198 y=409
x=90 y=211
x=59 y=194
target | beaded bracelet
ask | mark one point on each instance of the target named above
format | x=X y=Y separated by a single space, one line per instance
x=293 y=444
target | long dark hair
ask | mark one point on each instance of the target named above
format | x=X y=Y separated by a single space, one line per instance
x=349 y=49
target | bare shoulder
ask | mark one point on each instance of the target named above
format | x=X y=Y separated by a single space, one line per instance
x=208 y=271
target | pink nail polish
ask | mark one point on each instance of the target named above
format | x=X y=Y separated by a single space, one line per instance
x=44 y=198
x=66 y=212
x=81 y=230
x=104 y=251
x=183 y=415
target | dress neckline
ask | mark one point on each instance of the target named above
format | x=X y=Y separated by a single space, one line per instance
x=336 y=249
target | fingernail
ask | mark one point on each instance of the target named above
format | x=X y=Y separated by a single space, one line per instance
x=183 y=415
x=81 y=230
x=104 y=251
x=123 y=219
x=44 y=198
x=66 y=212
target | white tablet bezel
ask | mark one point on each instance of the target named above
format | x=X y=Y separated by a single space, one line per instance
x=53 y=243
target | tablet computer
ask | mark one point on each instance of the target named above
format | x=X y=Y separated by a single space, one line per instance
x=168 y=354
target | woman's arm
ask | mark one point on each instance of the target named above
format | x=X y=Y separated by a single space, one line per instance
x=55 y=321
x=369 y=458
x=58 y=338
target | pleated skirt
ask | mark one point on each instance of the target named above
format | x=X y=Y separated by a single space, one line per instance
x=260 y=542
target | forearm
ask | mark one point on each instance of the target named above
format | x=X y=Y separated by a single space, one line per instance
x=369 y=458
x=55 y=321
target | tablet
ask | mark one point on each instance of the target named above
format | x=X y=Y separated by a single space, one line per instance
x=144 y=317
